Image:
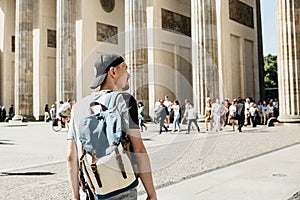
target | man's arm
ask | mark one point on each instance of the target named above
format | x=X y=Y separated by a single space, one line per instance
x=72 y=164
x=144 y=166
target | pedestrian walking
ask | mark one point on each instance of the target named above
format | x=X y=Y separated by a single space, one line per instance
x=168 y=104
x=111 y=78
x=233 y=117
x=260 y=112
x=176 y=110
x=161 y=114
x=217 y=110
x=47 y=113
x=11 y=113
x=186 y=110
x=270 y=109
x=240 y=107
x=208 y=114
x=227 y=106
x=253 y=114
x=192 y=118
x=3 y=114
x=53 y=112
x=265 y=112
x=141 y=116
x=248 y=104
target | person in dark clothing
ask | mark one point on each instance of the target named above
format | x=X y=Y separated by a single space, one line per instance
x=161 y=114
x=240 y=114
x=11 y=111
x=3 y=113
x=47 y=113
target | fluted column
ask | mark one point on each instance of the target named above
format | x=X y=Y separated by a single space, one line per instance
x=288 y=24
x=65 y=51
x=205 y=52
x=24 y=59
x=136 y=48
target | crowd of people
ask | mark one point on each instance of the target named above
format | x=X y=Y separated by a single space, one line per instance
x=167 y=111
x=64 y=110
x=236 y=113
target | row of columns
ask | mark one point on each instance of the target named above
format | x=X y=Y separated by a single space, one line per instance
x=206 y=72
x=205 y=53
x=288 y=60
x=65 y=58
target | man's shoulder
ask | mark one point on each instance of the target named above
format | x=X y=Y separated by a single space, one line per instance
x=127 y=95
x=129 y=99
x=83 y=105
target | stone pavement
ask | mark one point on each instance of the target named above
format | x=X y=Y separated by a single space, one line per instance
x=272 y=176
x=33 y=158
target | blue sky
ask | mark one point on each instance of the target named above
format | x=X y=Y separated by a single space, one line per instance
x=268 y=15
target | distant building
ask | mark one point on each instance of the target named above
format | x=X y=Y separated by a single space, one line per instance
x=183 y=48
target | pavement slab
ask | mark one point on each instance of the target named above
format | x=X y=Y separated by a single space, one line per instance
x=33 y=157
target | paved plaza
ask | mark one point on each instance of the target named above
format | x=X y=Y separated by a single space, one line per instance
x=259 y=163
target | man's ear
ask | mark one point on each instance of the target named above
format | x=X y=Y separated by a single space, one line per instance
x=111 y=71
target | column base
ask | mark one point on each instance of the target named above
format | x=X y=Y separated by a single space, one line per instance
x=289 y=119
x=23 y=118
x=201 y=118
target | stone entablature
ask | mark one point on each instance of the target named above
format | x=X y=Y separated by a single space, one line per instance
x=241 y=13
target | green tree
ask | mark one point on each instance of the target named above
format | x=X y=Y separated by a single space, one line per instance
x=270 y=76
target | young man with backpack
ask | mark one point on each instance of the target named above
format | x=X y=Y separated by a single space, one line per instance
x=104 y=107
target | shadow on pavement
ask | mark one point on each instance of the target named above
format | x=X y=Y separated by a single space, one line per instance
x=6 y=142
x=26 y=173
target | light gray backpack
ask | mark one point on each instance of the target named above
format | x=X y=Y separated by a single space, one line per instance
x=107 y=165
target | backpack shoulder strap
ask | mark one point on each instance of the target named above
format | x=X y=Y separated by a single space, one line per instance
x=110 y=101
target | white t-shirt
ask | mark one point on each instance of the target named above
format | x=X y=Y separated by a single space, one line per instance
x=176 y=109
x=232 y=109
x=167 y=104
x=270 y=109
x=217 y=108
x=192 y=113
x=247 y=107
x=64 y=107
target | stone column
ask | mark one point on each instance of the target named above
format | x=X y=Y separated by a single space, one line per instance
x=205 y=52
x=260 y=51
x=288 y=25
x=24 y=59
x=136 y=49
x=65 y=51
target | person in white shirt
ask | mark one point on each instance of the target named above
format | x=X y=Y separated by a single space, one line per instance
x=247 y=113
x=176 y=109
x=218 y=110
x=192 y=117
x=64 y=111
x=168 y=104
x=53 y=112
x=270 y=110
x=233 y=114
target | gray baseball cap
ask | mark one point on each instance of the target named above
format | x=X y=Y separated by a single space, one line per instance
x=102 y=66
